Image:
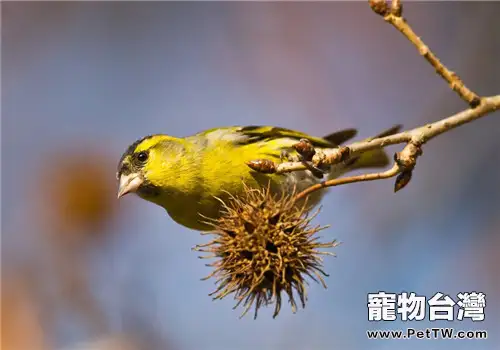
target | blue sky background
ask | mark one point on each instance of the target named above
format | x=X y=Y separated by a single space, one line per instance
x=96 y=76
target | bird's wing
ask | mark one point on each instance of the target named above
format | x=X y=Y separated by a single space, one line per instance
x=253 y=133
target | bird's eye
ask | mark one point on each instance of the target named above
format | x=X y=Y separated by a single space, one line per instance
x=142 y=156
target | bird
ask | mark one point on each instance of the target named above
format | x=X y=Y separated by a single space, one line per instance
x=190 y=177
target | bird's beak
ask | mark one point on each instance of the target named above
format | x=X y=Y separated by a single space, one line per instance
x=129 y=183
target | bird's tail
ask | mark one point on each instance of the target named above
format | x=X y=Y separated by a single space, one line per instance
x=377 y=158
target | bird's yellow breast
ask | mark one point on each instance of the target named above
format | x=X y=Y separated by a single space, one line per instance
x=221 y=170
x=205 y=174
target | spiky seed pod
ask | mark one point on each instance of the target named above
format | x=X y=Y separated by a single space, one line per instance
x=264 y=245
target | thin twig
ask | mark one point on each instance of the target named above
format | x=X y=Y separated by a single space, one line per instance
x=346 y=180
x=394 y=16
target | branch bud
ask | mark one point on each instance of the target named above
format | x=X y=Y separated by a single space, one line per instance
x=264 y=166
x=379 y=7
x=402 y=180
x=305 y=148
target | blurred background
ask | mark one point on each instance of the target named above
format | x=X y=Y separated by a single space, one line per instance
x=81 y=81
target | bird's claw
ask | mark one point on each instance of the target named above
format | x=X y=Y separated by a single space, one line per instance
x=317 y=172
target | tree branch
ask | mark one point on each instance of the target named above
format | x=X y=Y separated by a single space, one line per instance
x=405 y=161
x=421 y=135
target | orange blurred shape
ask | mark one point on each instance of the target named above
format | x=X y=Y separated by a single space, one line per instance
x=20 y=325
x=79 y=190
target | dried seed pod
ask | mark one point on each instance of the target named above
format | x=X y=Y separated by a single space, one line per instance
x=264 y=245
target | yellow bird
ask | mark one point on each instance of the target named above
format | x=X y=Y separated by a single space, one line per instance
x=186 y=176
